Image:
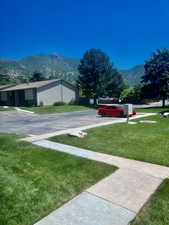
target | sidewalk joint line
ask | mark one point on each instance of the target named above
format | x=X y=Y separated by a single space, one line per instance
x=111 y=202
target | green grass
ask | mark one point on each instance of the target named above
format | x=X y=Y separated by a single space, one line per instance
x=34 y=180
x=156 y=211
x=145 y=142
x=6 y=109
x=56 y=109
x=153 y=110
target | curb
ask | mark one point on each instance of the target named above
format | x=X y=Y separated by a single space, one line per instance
x=22 y=110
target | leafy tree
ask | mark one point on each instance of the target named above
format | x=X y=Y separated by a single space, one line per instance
x=127 y=95
x=157 y=75
x=132 y=94
x=98 y=77
x=13 y=80
x=37 y=76
x=52 y=77
x=4 y=80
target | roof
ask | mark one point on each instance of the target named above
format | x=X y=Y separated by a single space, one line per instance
x=6 y=86
x=30 y=85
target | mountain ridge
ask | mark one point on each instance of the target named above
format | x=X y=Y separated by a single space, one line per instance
x=133 y=75
x=57 y=66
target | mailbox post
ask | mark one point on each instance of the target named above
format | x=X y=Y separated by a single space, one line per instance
x=128 y=111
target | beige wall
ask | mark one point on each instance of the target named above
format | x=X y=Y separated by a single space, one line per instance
x=68 y=94
x=56 y=92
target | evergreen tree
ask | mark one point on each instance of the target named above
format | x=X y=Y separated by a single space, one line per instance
x=98 y=77
x=37 y=76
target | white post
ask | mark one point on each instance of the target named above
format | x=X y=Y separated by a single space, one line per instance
x=128 y=111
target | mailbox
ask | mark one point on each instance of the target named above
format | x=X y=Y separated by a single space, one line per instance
x=128 y=109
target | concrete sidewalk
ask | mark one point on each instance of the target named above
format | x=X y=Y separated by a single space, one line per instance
x=88 y=209
x=154 y=170
x=114 y=200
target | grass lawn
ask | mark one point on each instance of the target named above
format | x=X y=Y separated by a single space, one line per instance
x=56 y=109
x=156 y=211
x=153 y=110
x=145 y=142
x=6 y=109
x=34 y=180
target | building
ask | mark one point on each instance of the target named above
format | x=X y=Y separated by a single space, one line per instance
x=35 y=93
x=6 y=86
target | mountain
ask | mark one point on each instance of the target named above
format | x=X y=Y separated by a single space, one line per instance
x=53 y=65
x=11 y=68
x=57 y=66
x=133 y=76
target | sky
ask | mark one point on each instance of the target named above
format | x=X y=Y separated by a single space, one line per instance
x=127 y=30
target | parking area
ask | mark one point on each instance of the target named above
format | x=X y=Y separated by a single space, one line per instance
x=33 y=124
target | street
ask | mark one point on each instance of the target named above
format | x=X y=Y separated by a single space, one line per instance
x=33 y=124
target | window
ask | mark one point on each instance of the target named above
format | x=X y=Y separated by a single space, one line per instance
x=4 y=96
x=111 y=107
x=29 y=94
x=120 y=107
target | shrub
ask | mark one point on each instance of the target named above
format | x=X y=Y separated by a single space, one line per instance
x=58 y=103
x=41 y=104
x=83 y=101
x=73 y=102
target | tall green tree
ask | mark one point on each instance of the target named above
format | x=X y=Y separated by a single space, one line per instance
x=98 y=77
x=37 y=76
x=157 y=75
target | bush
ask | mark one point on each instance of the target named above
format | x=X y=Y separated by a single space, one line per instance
x=73 y=102
x=41 y=104
x=83 y=101
x=58 y=103
x=132 y=95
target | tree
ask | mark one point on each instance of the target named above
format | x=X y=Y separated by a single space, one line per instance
x=98 y=77
x=52 y=77
x=14 y=80
x=127 y=95
x=133 y=94
x=37 y=76
x=4 y=80
x=157 y=75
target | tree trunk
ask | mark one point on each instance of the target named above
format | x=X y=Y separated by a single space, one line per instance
x=164 y=96
x=95 y=100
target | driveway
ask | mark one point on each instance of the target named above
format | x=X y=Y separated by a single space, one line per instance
x=33 y=124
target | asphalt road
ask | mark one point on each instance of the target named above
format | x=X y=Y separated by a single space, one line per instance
x=33 y=124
